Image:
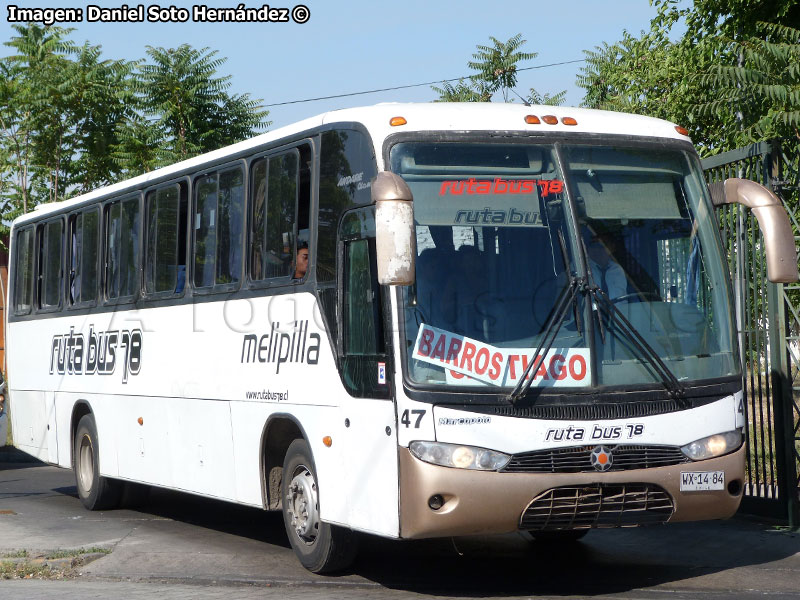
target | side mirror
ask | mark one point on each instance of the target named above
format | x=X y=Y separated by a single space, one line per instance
x=395 y=234
x=772 y=220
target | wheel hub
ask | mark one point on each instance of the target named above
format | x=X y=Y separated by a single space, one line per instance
x=86 y=464
x=303 y=505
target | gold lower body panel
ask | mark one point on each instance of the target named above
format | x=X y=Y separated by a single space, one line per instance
x=483 y=502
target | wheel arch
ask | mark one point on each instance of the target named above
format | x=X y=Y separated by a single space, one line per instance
x=280 y=430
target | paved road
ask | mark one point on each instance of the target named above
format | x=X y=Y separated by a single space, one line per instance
x=180 y=546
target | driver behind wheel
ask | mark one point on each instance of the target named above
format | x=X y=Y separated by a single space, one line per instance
x=606 y=272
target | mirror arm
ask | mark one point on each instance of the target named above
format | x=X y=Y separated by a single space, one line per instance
x=772 y=220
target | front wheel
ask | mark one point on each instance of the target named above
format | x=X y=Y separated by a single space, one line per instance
x=320 y=547
x=95 y=492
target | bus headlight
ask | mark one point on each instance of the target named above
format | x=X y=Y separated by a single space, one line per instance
x=713 y=445
x=461 y=457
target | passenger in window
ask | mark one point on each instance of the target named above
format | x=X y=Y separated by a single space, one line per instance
x=606 y=271
x=301 y=262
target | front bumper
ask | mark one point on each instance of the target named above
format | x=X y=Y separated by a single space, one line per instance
x=484 y=502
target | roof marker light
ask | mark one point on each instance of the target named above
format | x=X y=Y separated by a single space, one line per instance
x=550 y=119
x=568 y=121
x=395 y=121
x=682 y=130
x=532 y=120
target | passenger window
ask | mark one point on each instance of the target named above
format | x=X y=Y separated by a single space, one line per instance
x=23 y=283
x=165 y=254
x=274 y=216
x=122 y=249
x=83 y=253
x=50 y=247
x=218 y=225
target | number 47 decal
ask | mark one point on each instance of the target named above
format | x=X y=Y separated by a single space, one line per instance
x=406 y=419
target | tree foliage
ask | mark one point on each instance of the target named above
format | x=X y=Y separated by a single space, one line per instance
x=496 y=70
x=461 y=92
x=731 y=78
x=71 y=121
x=180 y=93
x=765 y=85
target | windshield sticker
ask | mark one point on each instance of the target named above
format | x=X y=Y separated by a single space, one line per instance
x=501 y=186
x=470 y=362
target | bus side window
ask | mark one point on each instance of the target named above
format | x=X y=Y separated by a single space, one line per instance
x=50 y=269
x=218 y=228
x=205 y=230
x=122 y=248
x=274 y=211
x=23 y=284
x=165 y=235
x=83 y=254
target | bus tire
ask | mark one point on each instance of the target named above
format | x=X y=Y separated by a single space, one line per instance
x=95 y=492
x=320 y=547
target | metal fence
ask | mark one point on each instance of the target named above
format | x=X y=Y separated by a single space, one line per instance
x=768 y=321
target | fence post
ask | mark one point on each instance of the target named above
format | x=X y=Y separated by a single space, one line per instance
x=780 y=371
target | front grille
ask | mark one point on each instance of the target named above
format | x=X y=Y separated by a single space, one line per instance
x=576 y=459
x=597 y=505
x=589 y=412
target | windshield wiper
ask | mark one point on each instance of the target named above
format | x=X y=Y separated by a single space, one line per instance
x=603 y=302
x=551 y=329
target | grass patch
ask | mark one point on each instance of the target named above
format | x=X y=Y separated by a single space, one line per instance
x=57 y=564
x=73 y=553
x=25 y=570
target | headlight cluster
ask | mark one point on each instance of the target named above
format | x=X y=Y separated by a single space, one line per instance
x=461 y=457
x=713 y=445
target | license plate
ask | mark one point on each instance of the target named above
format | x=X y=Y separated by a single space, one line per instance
x=701 y=481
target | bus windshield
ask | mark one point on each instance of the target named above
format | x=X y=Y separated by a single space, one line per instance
x=499 y=243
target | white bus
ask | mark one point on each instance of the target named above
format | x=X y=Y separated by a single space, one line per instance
x=543 y=344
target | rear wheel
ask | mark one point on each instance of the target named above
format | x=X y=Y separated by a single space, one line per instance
x=320 y=547
x=95 y=492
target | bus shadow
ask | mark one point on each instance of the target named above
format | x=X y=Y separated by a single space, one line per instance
x=604 y=562
x=224 y=517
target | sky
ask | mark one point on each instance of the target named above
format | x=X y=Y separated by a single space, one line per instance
x=360 y=45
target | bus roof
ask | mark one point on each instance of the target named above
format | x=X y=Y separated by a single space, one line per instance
x=433 y=116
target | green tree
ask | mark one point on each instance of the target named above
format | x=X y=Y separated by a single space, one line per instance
x=182 y=95
x=765 y=86
x=461 y=92
x=545 y=99
x=497 y=64
x=71 y=121
x=102 y=98
x=705 y=79
x=496 y=67
x=15 y=149
x=38 y=73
